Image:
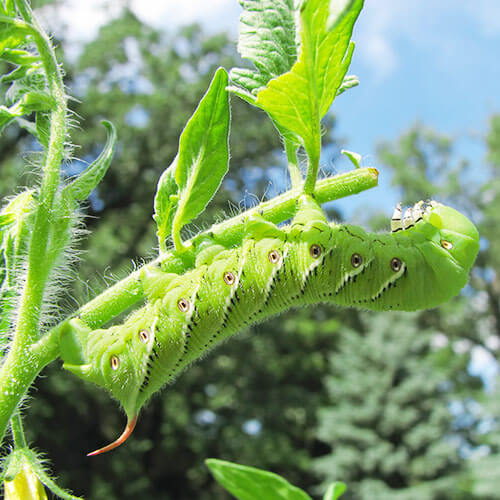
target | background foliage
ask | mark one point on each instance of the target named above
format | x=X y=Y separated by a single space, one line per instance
x=386 y=403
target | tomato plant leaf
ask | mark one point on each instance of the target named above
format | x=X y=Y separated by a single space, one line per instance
x=249 y=483
x=299 y=98
x=203 y=157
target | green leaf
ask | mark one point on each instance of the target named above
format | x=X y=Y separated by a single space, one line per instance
x=338 y=10
x=36 y=100
x=203 y=156
x=6 y=219
x=8 y=115
x=42 y=128
x=334 y=491
x=15 y=74
x=249 y=483
x=354 y=157
x=300 y=98
x=19 y=56
x=267 y=38
x=7 y=7
x=83 y=185
x=12 y=37
x=165 y=204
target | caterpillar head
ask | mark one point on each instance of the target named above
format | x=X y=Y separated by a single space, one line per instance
x=449 y=243
x=115 y=359
x=457 y=234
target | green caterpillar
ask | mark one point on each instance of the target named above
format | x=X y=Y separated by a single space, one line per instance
x=423 y=262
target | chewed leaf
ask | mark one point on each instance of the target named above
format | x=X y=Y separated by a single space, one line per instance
x=267 y=38
x=249 y=483
x=203 y=157
x=82 y=186
x=334 y=491
x=300 y=98
x=165 y=204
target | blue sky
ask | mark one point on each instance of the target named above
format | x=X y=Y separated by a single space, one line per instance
x=435 y=62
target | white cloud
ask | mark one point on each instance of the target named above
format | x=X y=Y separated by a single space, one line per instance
x=85 y=18
x=215 y=15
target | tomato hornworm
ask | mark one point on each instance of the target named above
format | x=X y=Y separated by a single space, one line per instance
x=424 y=261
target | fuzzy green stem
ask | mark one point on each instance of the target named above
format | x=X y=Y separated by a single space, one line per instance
x=19 y=370
x=38 y=270
x=312 y=168
x=293 y=163
x=20 y=366
x=16 y=425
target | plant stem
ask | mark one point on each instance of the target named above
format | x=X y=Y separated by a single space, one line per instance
x=19 y=370
x=20 y=366
x=128 y=291
x=293 y=164
x=16 y=425
x=312 y=167
x=38 y=270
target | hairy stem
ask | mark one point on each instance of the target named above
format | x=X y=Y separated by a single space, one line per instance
x=21 y=366
x=128 y=291
x=16 y=426
x=313 y=165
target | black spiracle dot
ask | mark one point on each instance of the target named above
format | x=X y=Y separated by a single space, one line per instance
x=396 y=264
x=229 y=278
x=356 y=260
x=315 y=251
x=274 y=256
x=183 y=305
x=114 y=361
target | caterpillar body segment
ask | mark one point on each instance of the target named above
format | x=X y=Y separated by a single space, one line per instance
x=420 y=264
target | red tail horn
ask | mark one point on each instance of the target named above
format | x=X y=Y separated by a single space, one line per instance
x=111 y=446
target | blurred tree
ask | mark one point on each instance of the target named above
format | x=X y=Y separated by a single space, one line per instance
x=389 y=414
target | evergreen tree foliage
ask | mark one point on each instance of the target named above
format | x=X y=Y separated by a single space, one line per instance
x=389 y=414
